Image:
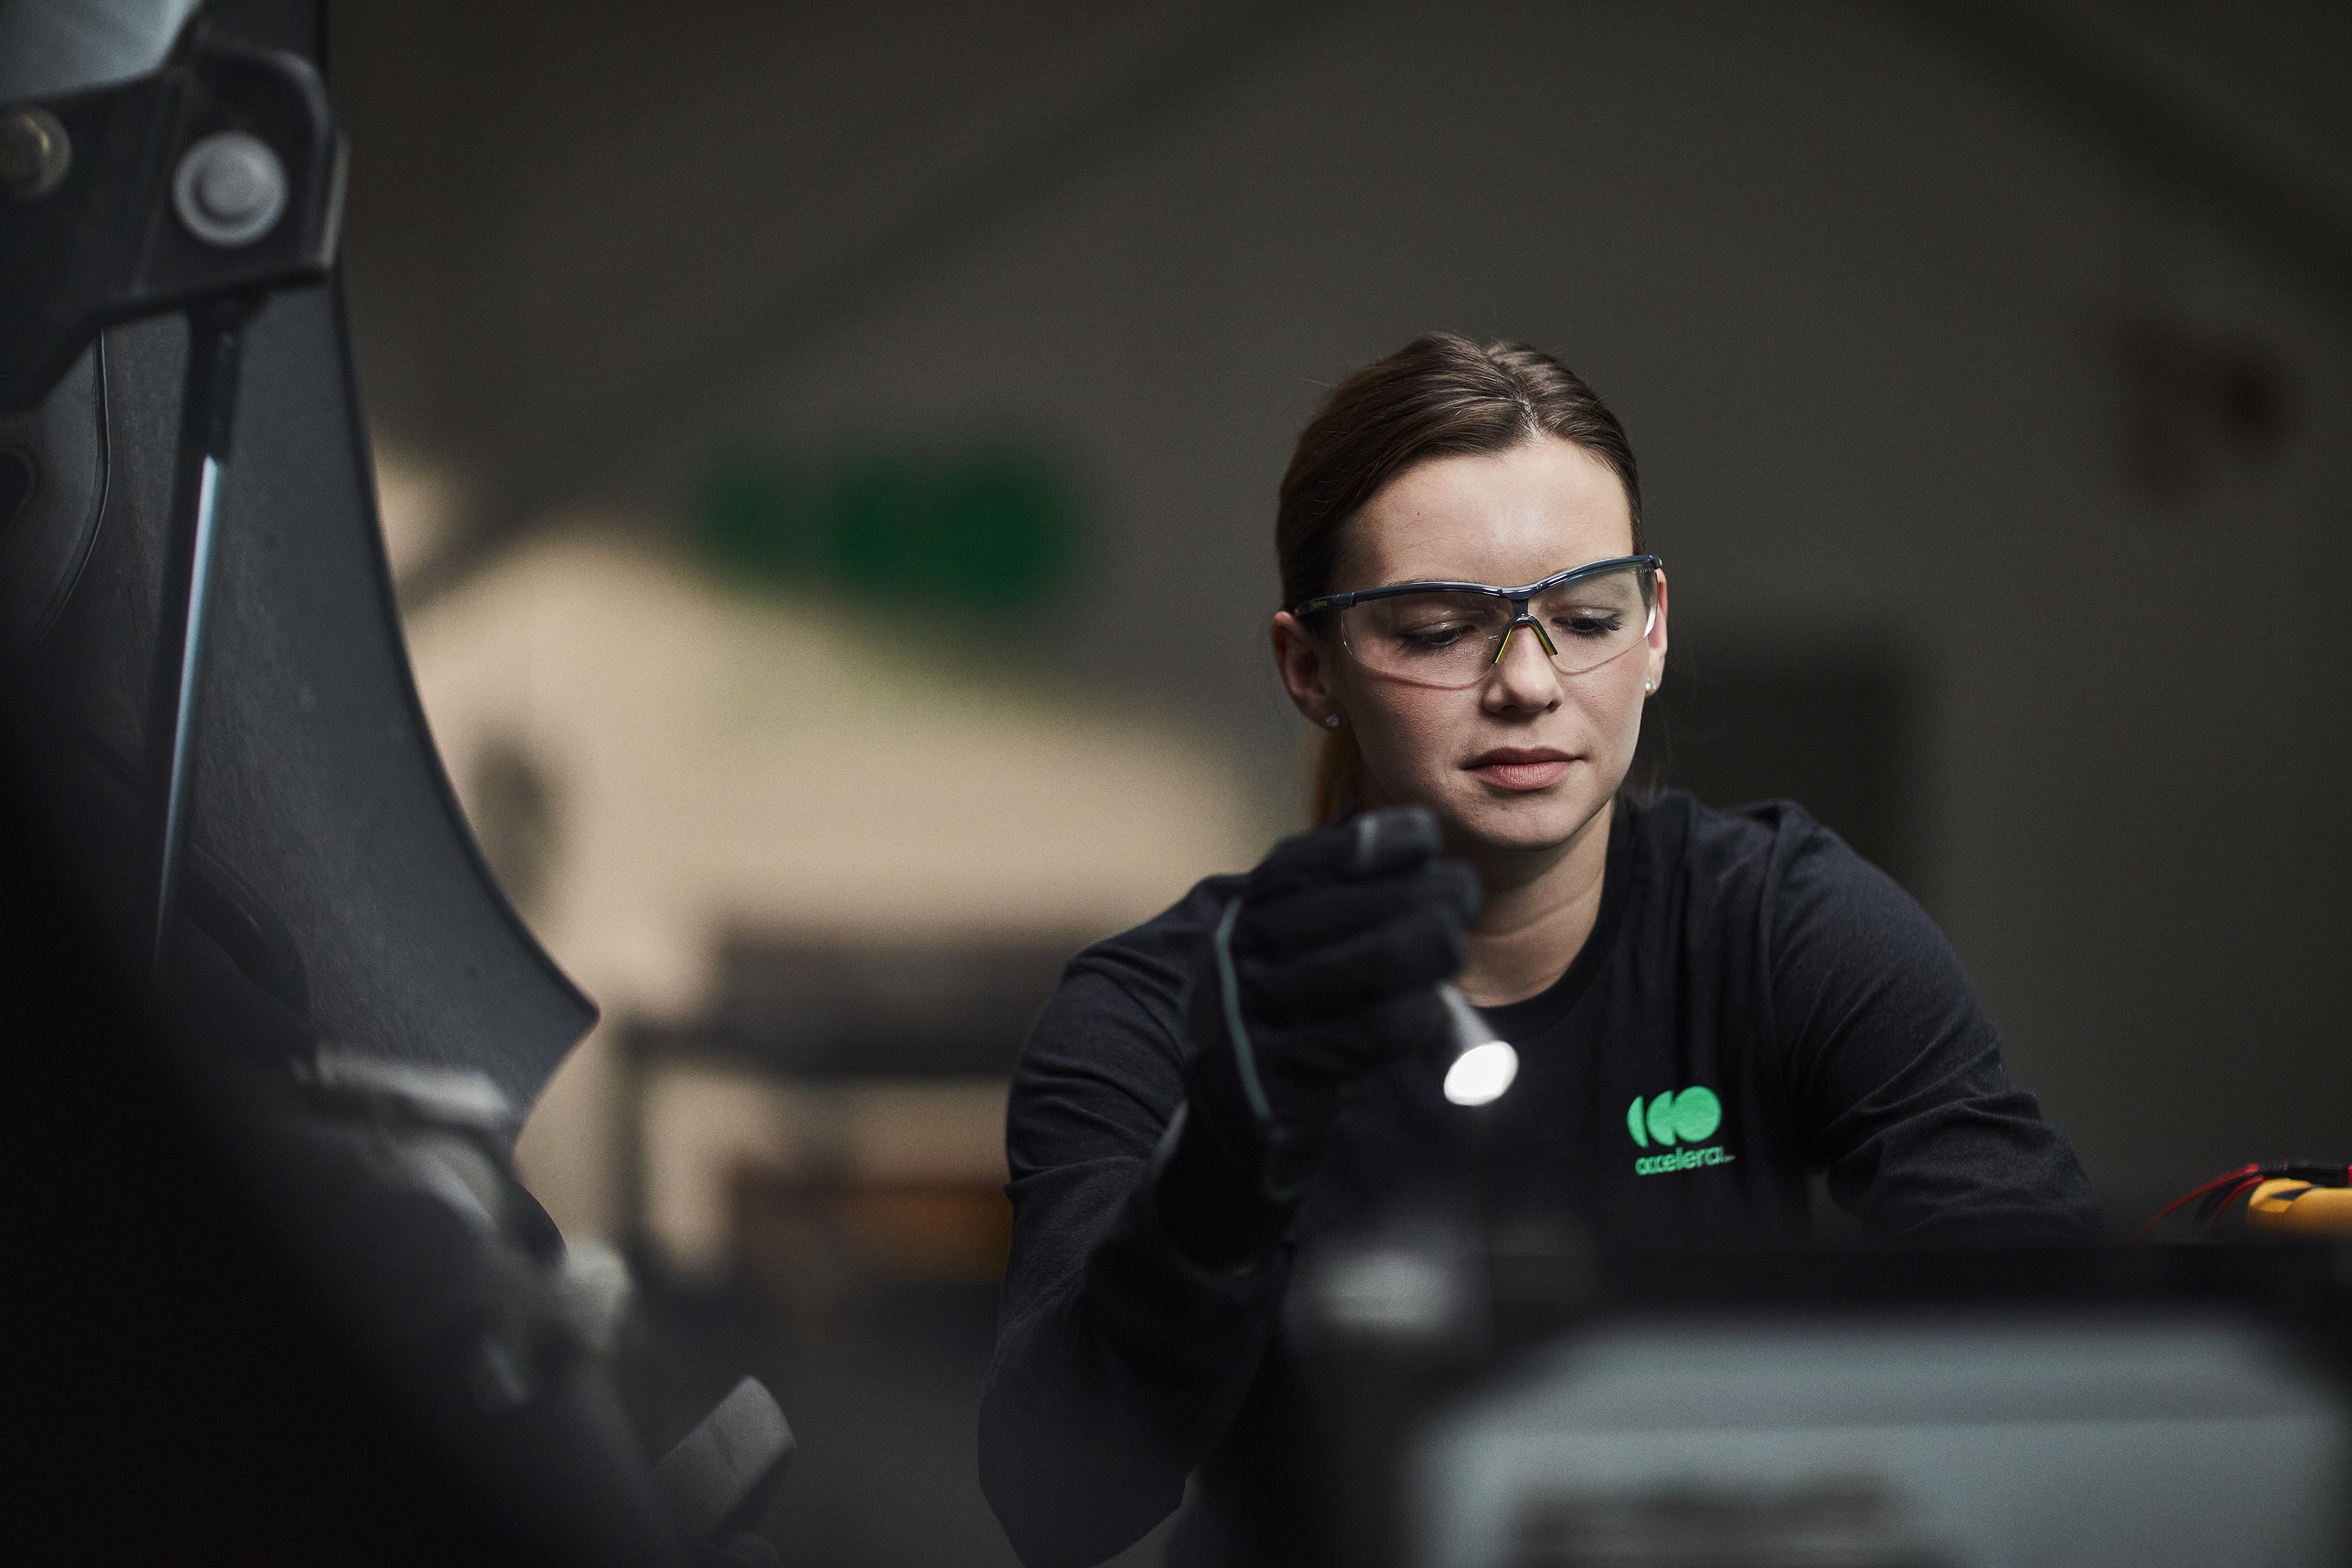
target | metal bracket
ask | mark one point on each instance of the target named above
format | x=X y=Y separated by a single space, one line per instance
x=220 y=175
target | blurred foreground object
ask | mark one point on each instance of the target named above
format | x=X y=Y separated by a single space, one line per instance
x=721 y=1476
x=225 y=808
x=1861 y=1410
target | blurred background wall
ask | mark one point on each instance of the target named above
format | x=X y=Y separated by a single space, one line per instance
x=1987 y=363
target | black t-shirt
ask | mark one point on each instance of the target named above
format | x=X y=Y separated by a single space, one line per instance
x=1756 y=1003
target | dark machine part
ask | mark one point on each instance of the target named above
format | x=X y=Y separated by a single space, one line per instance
x=394 y=1178
x=218 y=176
x=468 y=1298
x=223 y=808
x=204 y=184
x=224 y=627
x=53 y=469
x=207 y=411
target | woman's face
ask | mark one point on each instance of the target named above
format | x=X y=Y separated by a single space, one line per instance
x=1526 y=757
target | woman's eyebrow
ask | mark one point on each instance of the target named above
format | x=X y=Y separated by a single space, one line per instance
x=1422 y=577
x=1427 y=577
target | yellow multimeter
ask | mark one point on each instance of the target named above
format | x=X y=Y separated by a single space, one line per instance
x=2287 y=1197
x=2288 y=1208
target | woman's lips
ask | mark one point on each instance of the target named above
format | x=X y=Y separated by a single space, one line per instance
x=1513 y=769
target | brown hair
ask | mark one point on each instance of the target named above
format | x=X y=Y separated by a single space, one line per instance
x=1441 y=396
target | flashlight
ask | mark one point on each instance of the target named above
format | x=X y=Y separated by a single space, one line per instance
x=1483 y=1066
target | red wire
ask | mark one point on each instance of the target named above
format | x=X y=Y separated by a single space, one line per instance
x=2193 y=1194
x=2251 y=1182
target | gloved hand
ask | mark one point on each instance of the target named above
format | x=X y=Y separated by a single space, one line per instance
x=1324 y=969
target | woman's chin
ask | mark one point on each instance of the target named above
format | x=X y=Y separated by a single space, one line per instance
x=1524 y=824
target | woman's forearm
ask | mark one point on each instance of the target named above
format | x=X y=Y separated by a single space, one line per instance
x=1111 y=1385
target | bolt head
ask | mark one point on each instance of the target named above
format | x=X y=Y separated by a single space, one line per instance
x=234 y=187
x=229 y=189
x=34 y=152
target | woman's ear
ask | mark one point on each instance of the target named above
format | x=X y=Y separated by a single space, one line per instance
x=1656 y=655
x=1306 y=667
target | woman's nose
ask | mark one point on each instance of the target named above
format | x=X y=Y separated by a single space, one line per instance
x=1524 y=675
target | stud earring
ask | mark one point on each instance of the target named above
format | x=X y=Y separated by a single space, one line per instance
x=1330 y=720
x=1649 y=686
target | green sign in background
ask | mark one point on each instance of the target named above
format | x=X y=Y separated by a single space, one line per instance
x=987 y=527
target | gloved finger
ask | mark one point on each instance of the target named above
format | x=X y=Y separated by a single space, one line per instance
x=1318 y=916
x=1413 y=951
x=1330 y=1053
x=1391 y=839
x=1370 y=844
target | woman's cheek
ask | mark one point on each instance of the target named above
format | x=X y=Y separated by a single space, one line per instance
x=1618 y=719
x=1408 y=744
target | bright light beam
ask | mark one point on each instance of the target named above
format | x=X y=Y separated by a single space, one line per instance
x=1481 y=1074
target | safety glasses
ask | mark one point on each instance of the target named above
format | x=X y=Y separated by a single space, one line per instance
x=1452 y=634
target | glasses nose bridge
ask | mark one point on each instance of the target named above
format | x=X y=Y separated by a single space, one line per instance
x=1519 y=618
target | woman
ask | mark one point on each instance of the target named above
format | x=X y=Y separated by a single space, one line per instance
x=1707 y=1005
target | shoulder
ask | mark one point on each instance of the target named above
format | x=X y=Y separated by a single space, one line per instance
x=1749 y=854
x=1103 y=1068
x=1151 y=962
x=1767 y=879
x=1128 y=992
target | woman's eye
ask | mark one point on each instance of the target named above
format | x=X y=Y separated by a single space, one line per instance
x=1433 y=638
x=1590 y=623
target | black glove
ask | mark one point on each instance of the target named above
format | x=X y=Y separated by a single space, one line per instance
x=1325 y=969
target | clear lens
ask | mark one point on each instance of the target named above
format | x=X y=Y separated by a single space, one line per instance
x=1441 y=638
x=1593 y=620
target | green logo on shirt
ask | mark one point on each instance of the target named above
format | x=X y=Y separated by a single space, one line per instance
x=1688 y=1117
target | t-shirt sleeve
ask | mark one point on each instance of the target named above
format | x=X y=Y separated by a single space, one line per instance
x=1118 y=1363
x=1896 y=1070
